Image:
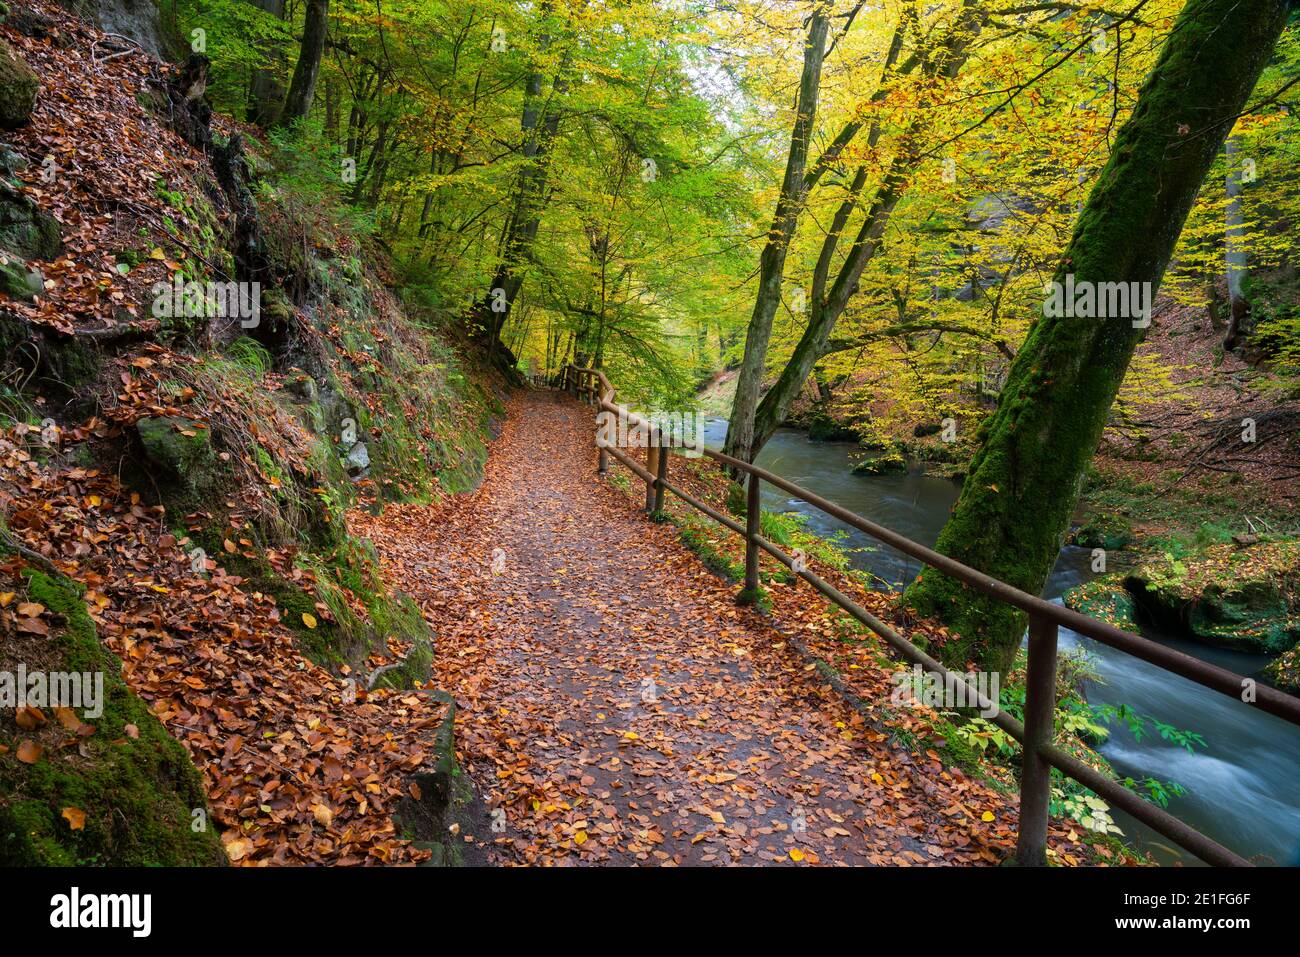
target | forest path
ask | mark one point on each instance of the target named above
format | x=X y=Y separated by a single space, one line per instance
x=618 y=707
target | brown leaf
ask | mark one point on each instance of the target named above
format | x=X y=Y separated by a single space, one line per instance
x=29 y=752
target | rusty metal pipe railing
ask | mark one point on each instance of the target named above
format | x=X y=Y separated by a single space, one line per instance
x=1045 y=618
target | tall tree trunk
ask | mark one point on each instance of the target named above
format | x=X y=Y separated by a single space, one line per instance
x=828 y=305
x=266 y=90
x=1024 y=480
x=302 y=88
x=796 y=186
x=528 y=199
x=826 y=309
x=1234 y=243
x=790 y=202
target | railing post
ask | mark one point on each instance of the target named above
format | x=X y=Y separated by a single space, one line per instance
x=753 y=527
x=1035 y=773
x=652 y=466
x=661 y=476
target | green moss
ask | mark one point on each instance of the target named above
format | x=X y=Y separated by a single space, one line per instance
x=18 y=88
x=881 y=462
x=1246 y=598
x=140 y=794
x=1107 y=531
x=1105 y=599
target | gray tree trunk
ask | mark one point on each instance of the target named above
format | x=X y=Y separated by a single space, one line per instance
x=302 y=89
x=740 y=431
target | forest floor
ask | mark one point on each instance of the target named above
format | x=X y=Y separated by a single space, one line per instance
x=617 y=706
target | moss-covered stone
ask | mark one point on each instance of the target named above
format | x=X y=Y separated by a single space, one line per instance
x=448 y=808
x=17 y=279
x=1103 y=531
x=881 y=461
x=1105 y=599
x=18 y=88
x=143 y=800
x=1284 y=671
x=1247 y=598
x=26 y=230
x=182 y=446
x=822 y=428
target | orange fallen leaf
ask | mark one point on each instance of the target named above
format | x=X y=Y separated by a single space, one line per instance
x=75 y=817
x=29 y=752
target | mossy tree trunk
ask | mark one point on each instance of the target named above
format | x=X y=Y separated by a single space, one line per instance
x=1024 y=480
x=539 y=127
x=302 y=89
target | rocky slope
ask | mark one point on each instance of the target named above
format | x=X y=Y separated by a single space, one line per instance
x=176 y=477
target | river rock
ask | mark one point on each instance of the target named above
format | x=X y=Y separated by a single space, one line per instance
x=1237 y=597
x=881 y=461
x=1105 y=599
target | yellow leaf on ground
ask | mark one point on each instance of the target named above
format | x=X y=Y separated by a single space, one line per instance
x=309 y=620
x=75 y=817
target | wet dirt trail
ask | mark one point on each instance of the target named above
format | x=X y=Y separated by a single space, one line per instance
x=617 y=707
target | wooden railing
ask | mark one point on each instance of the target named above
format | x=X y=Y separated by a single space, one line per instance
x=1045 y=618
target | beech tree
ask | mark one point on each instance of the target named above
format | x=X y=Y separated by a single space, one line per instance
x=297 y=104
x=1023 y=482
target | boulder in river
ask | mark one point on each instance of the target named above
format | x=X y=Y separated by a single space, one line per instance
x=1245 y=598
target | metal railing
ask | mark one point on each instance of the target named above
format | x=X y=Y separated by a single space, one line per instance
x=1045 y=618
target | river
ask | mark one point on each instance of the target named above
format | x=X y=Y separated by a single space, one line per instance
x=1241 y=788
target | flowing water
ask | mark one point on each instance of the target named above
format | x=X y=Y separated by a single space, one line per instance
x=1243 y=788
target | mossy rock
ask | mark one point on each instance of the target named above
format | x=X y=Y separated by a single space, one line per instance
x=1245 y=598
x=822 y=428
x=1284 y=671
x=26 y=230
x=1103 y=531
x=18 y=88
x=180 y=445
x=64 y=363
x=1105 y=599
x=17 y=280
x=448 y=808
x=142 y=797
x=881 y=462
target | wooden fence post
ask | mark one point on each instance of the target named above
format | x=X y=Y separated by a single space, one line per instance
x=652 y=466
x=1035 y=773
x=661 y=476
x=753 y=527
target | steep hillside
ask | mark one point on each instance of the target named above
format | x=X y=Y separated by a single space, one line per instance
x=205 y=369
